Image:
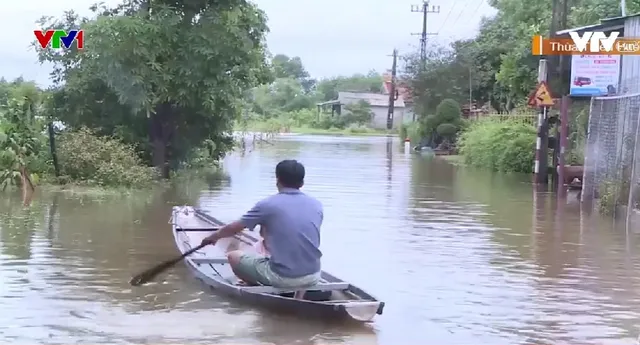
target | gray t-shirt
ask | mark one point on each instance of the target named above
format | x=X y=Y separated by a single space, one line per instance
x=292 y=220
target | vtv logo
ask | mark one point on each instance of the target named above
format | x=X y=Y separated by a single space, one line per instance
x=598 y=41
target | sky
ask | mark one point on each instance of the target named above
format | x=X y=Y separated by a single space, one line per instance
x=332 y=37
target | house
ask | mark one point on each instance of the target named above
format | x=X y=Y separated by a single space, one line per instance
x=379 y=107
x=404 y=93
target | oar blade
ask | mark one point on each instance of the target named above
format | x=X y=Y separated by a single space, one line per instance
x=151 y=273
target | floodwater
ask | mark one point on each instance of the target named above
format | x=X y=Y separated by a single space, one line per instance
x=459 y=256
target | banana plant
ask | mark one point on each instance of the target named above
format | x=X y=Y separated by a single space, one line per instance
x=18 y=142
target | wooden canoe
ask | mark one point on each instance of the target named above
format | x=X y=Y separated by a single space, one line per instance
x=332 y=298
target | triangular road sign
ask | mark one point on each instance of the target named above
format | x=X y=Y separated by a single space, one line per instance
x=541 y=97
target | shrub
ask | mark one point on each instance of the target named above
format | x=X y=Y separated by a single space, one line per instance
x=303 y=117
x=501 y=146
x=87 y=158
x=448 y=111
x=411 y=131
x=446 y=130
x=327 y=121
x=358 y=129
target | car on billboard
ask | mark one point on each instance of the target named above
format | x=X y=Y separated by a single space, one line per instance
x=581 y=81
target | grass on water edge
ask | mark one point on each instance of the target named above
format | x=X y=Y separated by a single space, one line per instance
x=74 y=189
x=180 y=177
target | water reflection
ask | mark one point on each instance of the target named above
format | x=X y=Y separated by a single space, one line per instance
x=458 y=255
x=17 y=228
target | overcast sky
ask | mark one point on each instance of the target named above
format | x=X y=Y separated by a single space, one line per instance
x=333 y=37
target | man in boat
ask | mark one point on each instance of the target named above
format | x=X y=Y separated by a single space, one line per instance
x=292 y=223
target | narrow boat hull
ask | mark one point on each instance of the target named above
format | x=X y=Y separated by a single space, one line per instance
x=332 y=298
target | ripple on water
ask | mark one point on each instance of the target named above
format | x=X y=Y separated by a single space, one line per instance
x=457 y=255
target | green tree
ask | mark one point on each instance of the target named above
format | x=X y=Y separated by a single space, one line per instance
x=283 y=95
x=286 y=67
x=166 y=76
x=444 y=124
x=327 y=89
x=20 y=141
x=359 y=113
x=498 y=74
x=448 y=111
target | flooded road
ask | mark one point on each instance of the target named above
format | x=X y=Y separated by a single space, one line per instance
x=459 y=256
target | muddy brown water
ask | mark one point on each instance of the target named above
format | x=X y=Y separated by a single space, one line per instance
x=458 y=255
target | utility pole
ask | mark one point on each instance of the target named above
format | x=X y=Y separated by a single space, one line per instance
x=470 y=92
x=392 y=91
x=424 y=9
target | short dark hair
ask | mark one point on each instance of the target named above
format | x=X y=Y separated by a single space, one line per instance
x=290 y=173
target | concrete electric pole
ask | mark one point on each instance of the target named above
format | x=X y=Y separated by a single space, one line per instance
x=424 y=9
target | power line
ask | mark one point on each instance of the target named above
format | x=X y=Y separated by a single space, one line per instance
x=479 y=5
x=447 y=17
x=458 y=17
x=462 y=11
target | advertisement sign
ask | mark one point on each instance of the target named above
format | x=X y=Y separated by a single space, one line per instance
x=594 y=75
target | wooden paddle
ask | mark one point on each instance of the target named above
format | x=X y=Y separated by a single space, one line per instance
x=151 y=273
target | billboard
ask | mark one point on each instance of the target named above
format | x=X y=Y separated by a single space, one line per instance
x=594 y=75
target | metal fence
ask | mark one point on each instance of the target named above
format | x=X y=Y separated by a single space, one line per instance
x=611 y=165
x=528 y=117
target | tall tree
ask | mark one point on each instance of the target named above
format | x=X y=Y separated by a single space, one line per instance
x=167 y=74
x=286 y=67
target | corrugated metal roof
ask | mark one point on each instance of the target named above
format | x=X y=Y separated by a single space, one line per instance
x=618 y=18
x=375 y=99
x=607 y=24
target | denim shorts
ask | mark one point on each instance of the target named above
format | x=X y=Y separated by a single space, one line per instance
x=258 y=269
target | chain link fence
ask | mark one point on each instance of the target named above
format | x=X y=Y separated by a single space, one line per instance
x=611 y=164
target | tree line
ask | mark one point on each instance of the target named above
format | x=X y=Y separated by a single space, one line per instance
x=290 y=99
x=163 y=84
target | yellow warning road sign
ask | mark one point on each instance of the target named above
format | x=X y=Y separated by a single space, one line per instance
x=541 y=97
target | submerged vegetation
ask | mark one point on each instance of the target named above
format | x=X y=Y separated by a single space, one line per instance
x=506 y=146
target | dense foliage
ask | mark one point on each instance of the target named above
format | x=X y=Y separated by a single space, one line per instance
x=290 y=100
x=442 y=126
x=103 y=161
x=498 y=62
x=164 y=76
x=496 y=70
x=25 y=155
x=506 y=146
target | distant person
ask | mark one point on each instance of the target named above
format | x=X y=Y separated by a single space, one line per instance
x=611 y=90
x=292 y=222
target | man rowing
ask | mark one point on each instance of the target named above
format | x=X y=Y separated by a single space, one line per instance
x=292 y=223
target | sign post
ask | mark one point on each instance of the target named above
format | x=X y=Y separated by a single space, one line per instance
x=542 y=99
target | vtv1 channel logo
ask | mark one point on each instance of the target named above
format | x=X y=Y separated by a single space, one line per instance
x=57 y=39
